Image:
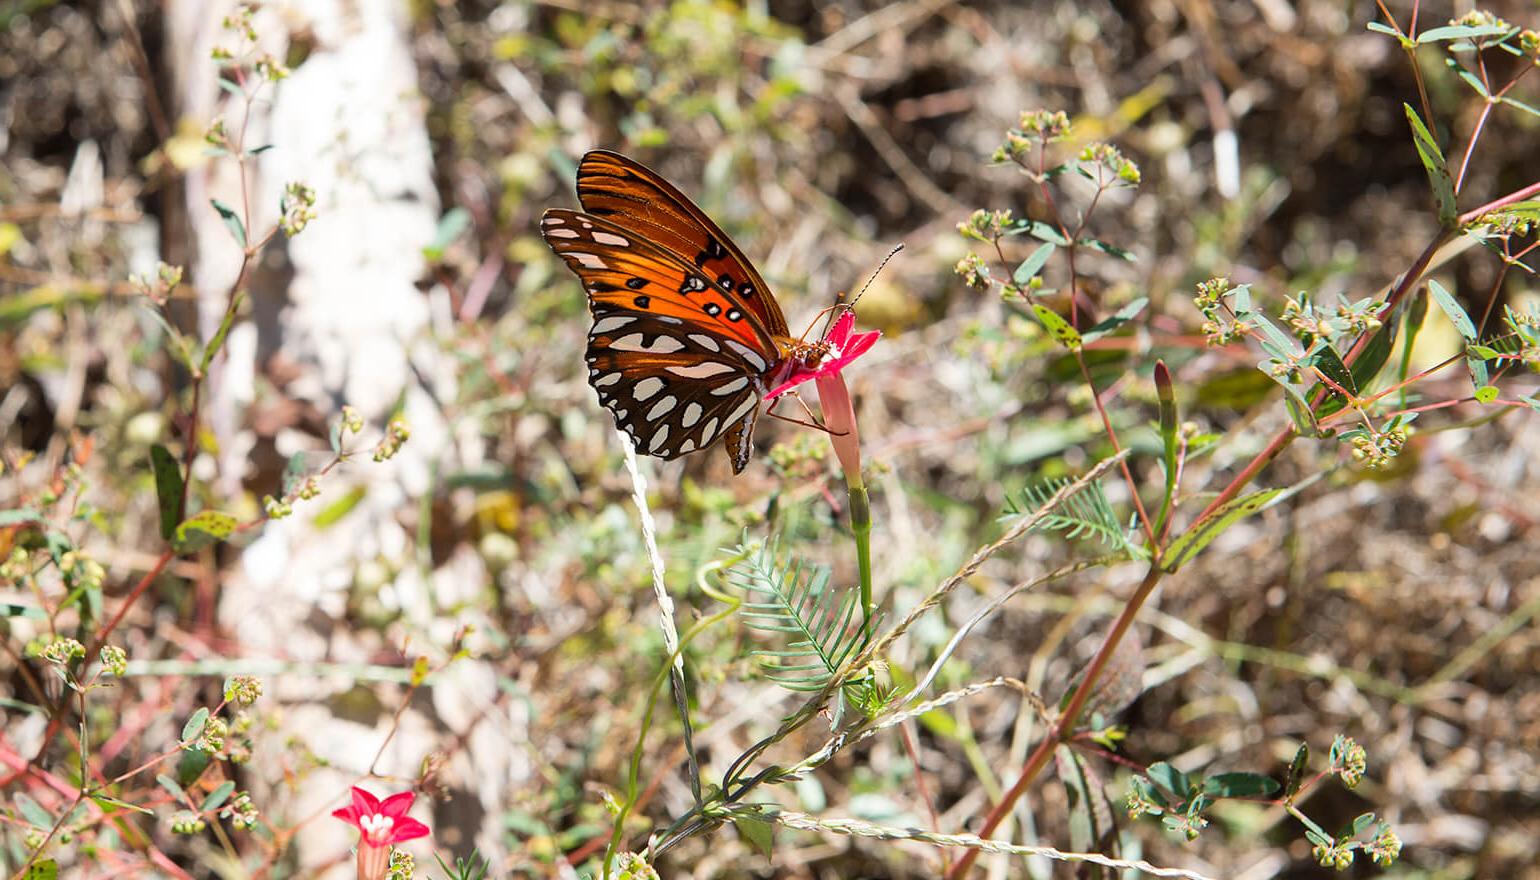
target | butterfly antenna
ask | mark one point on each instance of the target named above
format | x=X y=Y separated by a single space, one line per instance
x=891 y=254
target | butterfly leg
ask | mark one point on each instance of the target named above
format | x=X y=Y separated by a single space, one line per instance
x=814 y=423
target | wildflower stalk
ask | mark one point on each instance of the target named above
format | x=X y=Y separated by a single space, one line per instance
x=840 y=418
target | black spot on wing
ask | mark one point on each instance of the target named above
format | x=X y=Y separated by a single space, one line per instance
x=643 y=302
x=636 y=283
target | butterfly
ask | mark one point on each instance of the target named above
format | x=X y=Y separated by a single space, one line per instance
x=686 y=336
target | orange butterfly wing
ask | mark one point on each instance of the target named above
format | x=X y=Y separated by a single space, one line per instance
x=633 y=196
x=674 y=356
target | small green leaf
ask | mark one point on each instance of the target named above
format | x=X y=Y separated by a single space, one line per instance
x=168 y=487
x=1166 y=394
x=1374 y=355
x=759 y=833
x=176 y=343
x=1118 y=319
x=195 y=724
x=1051 y=234
x=218 y=796
x=449 y=228
x=171 y=785
x=257 y=151
x=218 y=341
x=1297 y=766
x=11 y=609
x=33 y=811
x=191 y=764
x=108 y=801
x=232 y=220
x=340 y=508
x=1239 y=785
x=1382 y=28
x=1453 y=310
x=1485 y=352
x=1460 y=32
x=1171 y=779
x=1090 y=817
x=1486 y=394
x=1520 y=105
x=1097 y=244
x=203 y=530
x=1203 y=532
x=1033 y=264
x=1362 y=822
x=1438 y=170
x=1533 y=403
x=43 y=869
x=19 y=516
x=1057 y=327
x=1326 y=359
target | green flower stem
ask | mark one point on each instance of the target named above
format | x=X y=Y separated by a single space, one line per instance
x=861 y=527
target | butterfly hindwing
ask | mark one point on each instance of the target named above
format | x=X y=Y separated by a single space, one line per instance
x=634 y=197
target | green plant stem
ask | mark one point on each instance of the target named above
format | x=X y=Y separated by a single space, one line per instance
x=861 y=528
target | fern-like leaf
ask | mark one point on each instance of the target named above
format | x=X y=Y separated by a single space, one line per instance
x=794 y=599
x=1085 y=514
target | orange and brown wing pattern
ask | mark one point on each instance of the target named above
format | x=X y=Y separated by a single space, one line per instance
x=674 y=357
x=622 y=190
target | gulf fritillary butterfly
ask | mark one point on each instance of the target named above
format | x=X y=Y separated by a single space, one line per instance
x=686 y=337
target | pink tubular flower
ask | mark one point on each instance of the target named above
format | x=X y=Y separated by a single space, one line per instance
x=843 y=347
x=381 y=825
x=839 y=348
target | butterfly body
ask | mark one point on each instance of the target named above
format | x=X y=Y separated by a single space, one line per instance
x=686 y=337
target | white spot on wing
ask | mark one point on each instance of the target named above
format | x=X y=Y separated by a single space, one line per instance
x=735 y=385
x=748 y=354
x=705 y=341
x=610 y=238
x=610 y=324
x=561 y=232
x=590 y=261
x=647 y=387
x=658 y=439
x=662 y=406
x=709 y=432
x=748 y=404
x=634 y=342
x=702 y=370
x=687 y=446
x=691 y=415
x=607 y=379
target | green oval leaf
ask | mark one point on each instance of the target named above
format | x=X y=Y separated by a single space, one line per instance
x=168 y=487
x=1204 y=531
x=194 y=726
x=1239 y=785
x=203 y=530
x=1438 y=170
x=1452 y=309
x=1057 y=327
x=232 y=220
x=218 y=796
x=1486 y=394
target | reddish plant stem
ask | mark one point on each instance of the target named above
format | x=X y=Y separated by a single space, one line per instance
x=1064 y=727
x=56 y=712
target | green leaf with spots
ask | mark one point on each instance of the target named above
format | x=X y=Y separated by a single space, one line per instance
x=202 y=530
x=1204 y=531
x=1437 y=168
x=1057 y=327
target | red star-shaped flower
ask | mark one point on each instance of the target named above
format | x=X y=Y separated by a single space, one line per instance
x=381 y=825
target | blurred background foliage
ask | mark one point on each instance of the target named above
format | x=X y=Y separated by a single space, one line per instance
x=819 y=135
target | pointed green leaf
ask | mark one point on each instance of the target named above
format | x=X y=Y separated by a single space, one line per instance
x=203 y=530
x=1057 y=327
x=1033 y=264
x=11 y=609
x=1438 y=170
x=43 y=869
x=195 y=724
x=1110 y=250
x=231 y=87
x=218 y=796
x=1516 y=104
x=1239 y=785
x=759 y=833
x=1372 y=358
x=218 y=341
x=1453 y=310
x=1362 y=822
x=1118 y=319
x=172 y=786
x=33 y=811
x=1297 y=767
x=232 y=220
x=113 y=803
x=1203 y=532
x=168 y=487
x=1090 y=818
x=1486 y=394
x=191 y=764
x=1171 y=779
x=1460 y=32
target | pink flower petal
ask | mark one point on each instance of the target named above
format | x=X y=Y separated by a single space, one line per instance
x=407 y=828
x=349 y=814
x=397 y=804
x=365 y=803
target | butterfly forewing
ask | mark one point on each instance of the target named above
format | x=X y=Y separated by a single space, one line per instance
x=674 y=356
x=633 y=196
